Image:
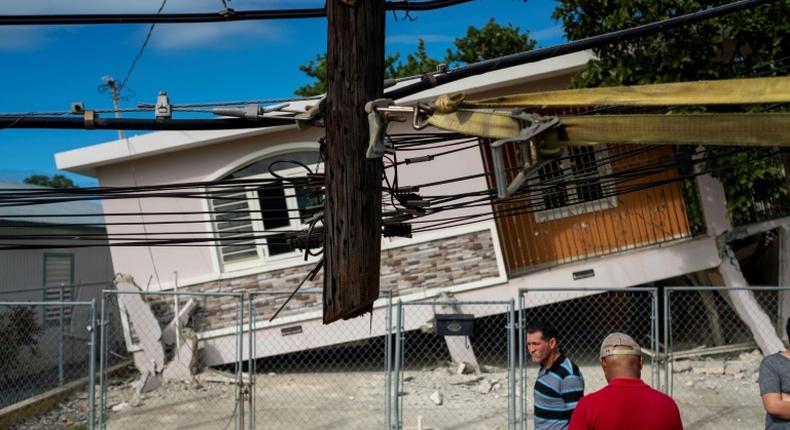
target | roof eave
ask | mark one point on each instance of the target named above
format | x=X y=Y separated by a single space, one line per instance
x=85 y=161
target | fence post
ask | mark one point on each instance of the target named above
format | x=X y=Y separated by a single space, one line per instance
x=239 y=362
x=654 y=320
x=522 y=360
x=398 y=352
x=511 y=334
x=176 y=310
x=667 y=340
x=251 y=366
x=61 y=336
x=102 y=360
x=92 y=368
x=388 y=364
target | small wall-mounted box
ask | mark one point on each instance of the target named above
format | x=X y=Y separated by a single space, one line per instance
x=454 y=325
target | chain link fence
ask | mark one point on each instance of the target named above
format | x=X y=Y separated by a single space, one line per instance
x=583 y=317
x=713 y=359
x=454 y=365
x=420 y=365
x=45 y=346
x=188 y=363
x=314 y=376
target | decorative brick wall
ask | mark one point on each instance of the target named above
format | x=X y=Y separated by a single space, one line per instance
x=437 y=264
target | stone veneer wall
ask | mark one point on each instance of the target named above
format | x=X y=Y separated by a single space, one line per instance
x=437 y=264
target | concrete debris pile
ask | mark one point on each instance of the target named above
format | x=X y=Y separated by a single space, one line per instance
x=715 y=373
x=451 y=386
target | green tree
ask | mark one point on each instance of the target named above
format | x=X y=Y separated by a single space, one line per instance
x=56 y=181
x=491 y=41
x=749 y=43
x=317 y=69
x=416 y=63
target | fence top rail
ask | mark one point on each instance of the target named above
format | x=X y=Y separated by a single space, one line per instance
x=286 y=292
x=458 y=302
x=56 y=287
x=174 y=293
x=385 y=293
x=722 y=288
x=44 y=303
x=523 y=291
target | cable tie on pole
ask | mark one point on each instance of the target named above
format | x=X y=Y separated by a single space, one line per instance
x=163 y=110
x=89 y=117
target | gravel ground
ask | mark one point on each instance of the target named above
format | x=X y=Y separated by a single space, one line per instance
x=711 y=394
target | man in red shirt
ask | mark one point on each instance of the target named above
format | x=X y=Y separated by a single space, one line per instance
x=626 y=403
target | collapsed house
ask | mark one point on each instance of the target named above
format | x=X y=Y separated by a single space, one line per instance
x=623 y=240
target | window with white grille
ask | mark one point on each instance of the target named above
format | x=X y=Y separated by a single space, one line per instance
x=58 y=283
x=573 y=184
x=247 y=221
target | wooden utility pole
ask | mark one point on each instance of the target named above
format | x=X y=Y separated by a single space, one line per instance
x=352 y=221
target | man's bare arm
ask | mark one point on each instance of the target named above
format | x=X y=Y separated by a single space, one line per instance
x=774 y=405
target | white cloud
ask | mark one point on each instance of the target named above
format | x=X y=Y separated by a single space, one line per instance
x=176 y=36
x=412 y=39
x=219 y=34
x=165 y=37
x=23 y=38
x=142 y=6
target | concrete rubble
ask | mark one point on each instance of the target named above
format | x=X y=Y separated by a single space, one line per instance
x=745 y=363
x=437 y=398
x=732 y=373
x=432 y=392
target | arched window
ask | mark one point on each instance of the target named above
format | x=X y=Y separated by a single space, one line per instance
x=252 y=222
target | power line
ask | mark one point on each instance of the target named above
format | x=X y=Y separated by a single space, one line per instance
x=571 y=47
x=435 y=80
x=47 y=122
x=225 y=15
x=142 y=49
x=618 y=183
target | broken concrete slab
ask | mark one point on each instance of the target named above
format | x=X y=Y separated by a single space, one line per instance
x=186 y=363
x=681 y=366
x=736 y=367
x=120 y=406
x=710 y=367
x=169 y=333
x=466 y=380
x=436 y=398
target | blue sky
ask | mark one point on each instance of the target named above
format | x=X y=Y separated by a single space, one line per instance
x=48 y=68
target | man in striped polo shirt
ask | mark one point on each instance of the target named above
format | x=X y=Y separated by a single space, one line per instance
x=559 y=385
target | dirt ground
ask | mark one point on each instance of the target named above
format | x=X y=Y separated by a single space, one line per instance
x=437 y=398
x=355 y=400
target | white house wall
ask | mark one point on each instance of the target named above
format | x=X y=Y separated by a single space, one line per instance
x=171 y=157
x=193 y=165
x=155 y=268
